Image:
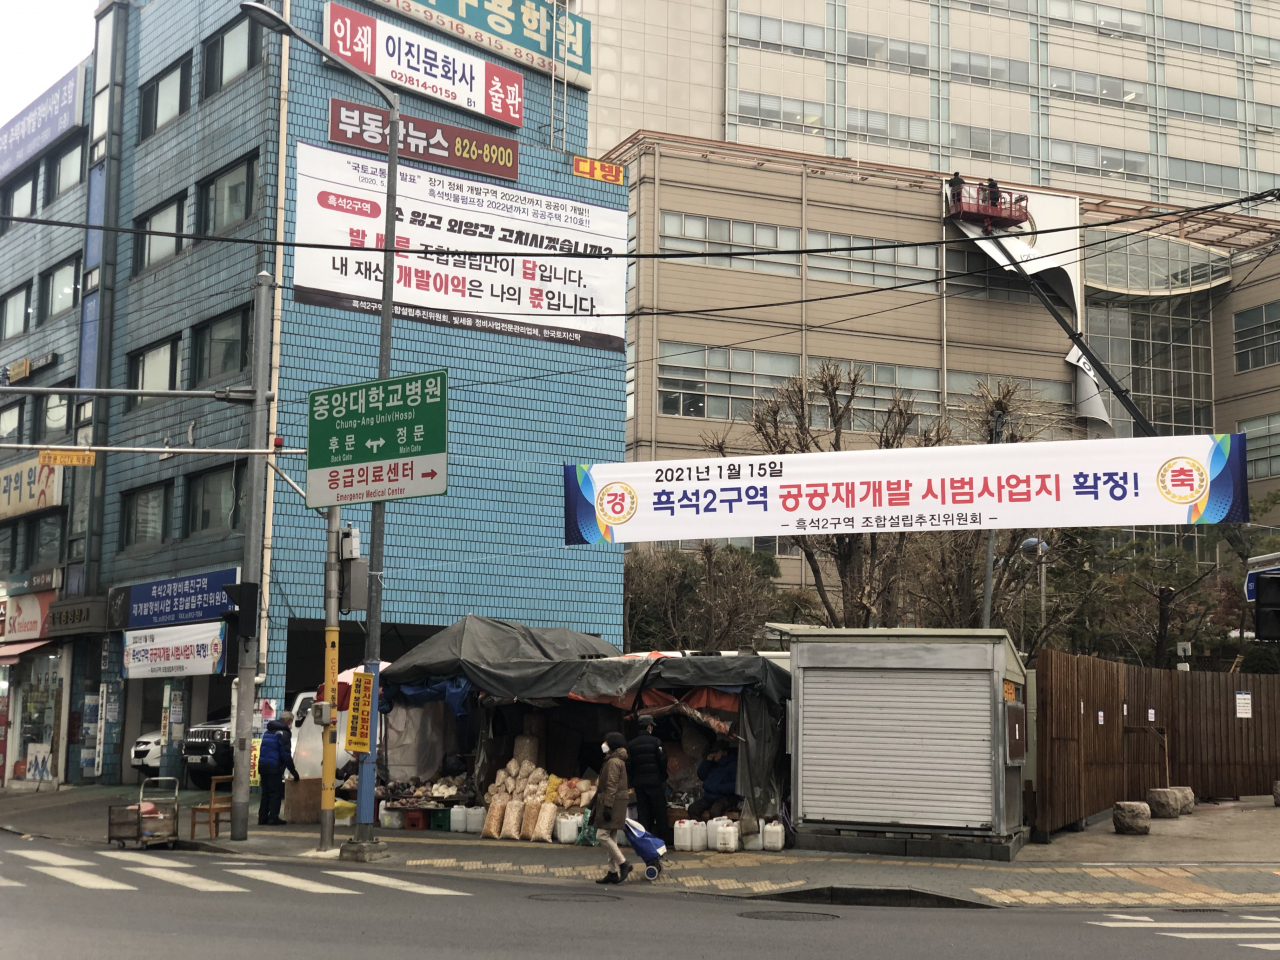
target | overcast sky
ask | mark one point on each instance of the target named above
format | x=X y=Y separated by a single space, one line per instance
x=39 y=44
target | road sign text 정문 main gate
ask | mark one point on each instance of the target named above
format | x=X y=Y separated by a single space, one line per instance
x=378 y=440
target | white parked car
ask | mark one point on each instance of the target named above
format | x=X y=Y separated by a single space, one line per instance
x=146 y=754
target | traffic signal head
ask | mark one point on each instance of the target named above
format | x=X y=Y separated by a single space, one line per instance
x=242 y=621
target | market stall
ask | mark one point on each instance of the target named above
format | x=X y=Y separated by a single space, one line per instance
x=511 y=715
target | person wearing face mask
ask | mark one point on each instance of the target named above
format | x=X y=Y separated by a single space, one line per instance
x=609 y=809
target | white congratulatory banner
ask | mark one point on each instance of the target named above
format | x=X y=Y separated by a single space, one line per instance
x=190 y=650
x=1073 y=483
x=504 y=288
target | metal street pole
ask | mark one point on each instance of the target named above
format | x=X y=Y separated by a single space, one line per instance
x=368 y=776
x=997 y=429
x=251 y=567
x=1041 y=550
x=329 y=754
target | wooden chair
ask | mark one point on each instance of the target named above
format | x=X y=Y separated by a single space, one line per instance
x=217 y=809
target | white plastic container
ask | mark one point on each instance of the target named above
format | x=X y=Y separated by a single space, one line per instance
x=683 y=831
x=753 y=841
x=775 y=836
x=390 y=819
x=475 y=819
x=713 y=832
x=351 y=821
x=727 y=838
x=568 y=826
x=458 y=820
x=698 y=833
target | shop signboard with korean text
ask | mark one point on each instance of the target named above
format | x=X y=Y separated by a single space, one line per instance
x=158 y=603
x=540 y=34
x=1073 y=483
x=55 y=112
x=598 y=170
x=429 y=68
x=356 y=125
x=27 y=616
x=378 y=440
x=191 y=650
x=359 y=713
x=29 y=486
x=502 y=284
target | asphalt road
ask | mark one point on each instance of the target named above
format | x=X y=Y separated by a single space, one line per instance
x=68 y=900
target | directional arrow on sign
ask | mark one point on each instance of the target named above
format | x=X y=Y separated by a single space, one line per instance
x=431 y=475
x=374 y=444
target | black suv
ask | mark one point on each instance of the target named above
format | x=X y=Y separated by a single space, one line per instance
x=207 y=750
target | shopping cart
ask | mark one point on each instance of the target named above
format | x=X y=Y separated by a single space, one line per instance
x=152 y=820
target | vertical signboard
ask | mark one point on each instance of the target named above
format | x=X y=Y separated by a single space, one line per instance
x=358 y=715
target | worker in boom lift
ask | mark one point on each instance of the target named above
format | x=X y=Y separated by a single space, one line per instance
x=993 y=192
x=956 y=185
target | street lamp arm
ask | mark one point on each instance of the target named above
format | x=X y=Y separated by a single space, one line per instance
x=266 y=17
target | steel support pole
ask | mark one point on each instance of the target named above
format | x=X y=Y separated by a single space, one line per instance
x=997 y=431
x=373 y=622
x=329 y=754
x=251 y=566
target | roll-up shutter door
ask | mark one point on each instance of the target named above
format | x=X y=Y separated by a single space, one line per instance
x=896 y=747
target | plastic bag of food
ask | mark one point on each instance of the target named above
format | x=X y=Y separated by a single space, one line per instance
x=526 y=769
x=553 y=788
x=530 y=821
x=512 y=819
x=512 y=767
x=587 y=796
x=501 y=779
x=493 y=820
x=526 y=752
x=546 y=822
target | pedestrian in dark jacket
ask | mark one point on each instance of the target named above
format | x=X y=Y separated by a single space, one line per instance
x=719 y=776
x=609 y=810
x=647 y=769
x=274 y=758
x=956 y=185
x=993 y=192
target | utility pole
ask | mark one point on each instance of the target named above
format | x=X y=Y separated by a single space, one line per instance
x=329 y=754
x=997 y=430
x=251 y=567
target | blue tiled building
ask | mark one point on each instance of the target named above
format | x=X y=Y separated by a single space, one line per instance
x=181 y=135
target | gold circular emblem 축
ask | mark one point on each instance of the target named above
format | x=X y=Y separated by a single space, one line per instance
x=1182 y=480
x=616 y=503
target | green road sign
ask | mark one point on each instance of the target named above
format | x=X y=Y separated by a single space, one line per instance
x=379 y=440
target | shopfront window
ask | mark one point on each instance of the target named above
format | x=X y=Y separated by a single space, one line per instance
x=37 y=734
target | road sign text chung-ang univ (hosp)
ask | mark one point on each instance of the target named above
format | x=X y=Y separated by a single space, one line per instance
x=378 y=440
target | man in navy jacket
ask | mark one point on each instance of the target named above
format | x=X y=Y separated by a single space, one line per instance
x=274 y=758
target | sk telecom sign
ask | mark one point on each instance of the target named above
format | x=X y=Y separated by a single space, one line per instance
x=430 y=69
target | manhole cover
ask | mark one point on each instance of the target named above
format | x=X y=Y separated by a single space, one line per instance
x=791 y=915
x=573 y=897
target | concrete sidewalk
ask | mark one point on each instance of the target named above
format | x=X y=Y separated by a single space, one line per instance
x=1125 y=873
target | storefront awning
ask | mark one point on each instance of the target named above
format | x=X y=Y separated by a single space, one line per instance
x=9 y=652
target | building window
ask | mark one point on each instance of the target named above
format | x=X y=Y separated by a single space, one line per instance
x=146 y=515
x=51 y=415
x=11 y=423
x=776 y=546
x=59 y=289
x=1262 y=445
x=880 y=384
x=18 y=198
x=213 y=500
x=44 y=542
x=153 y=369
x=228 y=197
x=1131 y=263
x=221 y=348
x=63 y=172
x=872 y=263
x=232 y=53
x=971 y=273
x=1257 y=337
x=150 y=248
x=784 y=113
x=8 y=540
x=717 y=237
x=165 y=98
x=984 y=66
x=716 y=382
x=15 y=311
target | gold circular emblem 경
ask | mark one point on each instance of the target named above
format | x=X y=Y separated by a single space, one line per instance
x=616 y=503
x=1182 y=480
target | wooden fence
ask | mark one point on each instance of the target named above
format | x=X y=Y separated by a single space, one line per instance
x=1109 y=731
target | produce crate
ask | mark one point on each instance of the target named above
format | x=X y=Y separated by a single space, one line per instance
x=415 y=820
x=439 y=819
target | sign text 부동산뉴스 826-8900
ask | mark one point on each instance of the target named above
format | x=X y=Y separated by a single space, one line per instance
x=503 y=286
x=1145 y=481
x=378 y=440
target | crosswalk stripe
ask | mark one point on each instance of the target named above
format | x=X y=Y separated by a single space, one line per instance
x=395 y=883
x=293 y=883
x=1242 y=935
x=191 y=880
x=82 y=878
x=10 y=883
x=146 y=859
x=52 y=859
x=1262 y=946
x=1188 y=926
